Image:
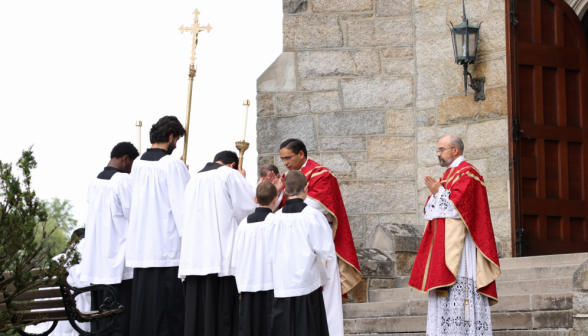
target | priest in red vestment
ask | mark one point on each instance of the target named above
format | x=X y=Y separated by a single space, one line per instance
x=324 y=195
x=457 y=261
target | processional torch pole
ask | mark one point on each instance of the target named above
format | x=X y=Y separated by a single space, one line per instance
x=242 y=145
x=195 y=29
x=138 y=126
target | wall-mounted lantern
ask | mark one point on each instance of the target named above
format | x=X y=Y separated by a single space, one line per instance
x=465 y=46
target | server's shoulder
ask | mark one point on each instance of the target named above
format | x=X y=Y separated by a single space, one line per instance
x=120 y=177
x=308 y=210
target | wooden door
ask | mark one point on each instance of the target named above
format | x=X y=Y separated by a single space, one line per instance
x=547 y=64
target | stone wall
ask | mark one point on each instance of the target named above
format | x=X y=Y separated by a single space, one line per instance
x=370 y=86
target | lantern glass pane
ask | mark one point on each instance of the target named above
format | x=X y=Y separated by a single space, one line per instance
x=460 y=43
x=473 y=37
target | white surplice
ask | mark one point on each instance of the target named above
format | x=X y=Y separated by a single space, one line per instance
x=155 y=224
x=216 y=201
x=109 y=206
x=253 y=269
x=445 y=314
x=299 y=241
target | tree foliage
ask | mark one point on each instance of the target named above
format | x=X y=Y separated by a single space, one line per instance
x=60 y=220
x=26 y=242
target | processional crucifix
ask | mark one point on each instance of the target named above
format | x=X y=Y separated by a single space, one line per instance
x=195 y=29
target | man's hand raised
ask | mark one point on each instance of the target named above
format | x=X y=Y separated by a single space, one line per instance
x=276 y=180
x=433 y=184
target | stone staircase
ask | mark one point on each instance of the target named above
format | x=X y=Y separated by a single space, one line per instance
x=535 y=298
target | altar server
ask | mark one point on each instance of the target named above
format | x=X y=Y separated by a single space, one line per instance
x=109 y=206
x=301 y=242
x=217 y=199
x=253 y=270
x=153 y=246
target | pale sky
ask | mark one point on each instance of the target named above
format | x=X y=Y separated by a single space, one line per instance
x=76 y=75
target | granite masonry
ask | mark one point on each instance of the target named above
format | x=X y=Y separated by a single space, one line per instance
x=370 y=86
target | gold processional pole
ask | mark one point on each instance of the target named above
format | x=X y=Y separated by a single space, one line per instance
x=195 y=29
x=242 y=145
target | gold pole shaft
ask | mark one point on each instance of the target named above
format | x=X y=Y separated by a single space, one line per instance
x=191 y=76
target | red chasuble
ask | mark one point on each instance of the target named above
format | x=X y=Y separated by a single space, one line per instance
x=438 y=258
x=324 y=189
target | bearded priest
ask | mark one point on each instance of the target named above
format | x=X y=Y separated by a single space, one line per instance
x=457 y=261
x=325 y=196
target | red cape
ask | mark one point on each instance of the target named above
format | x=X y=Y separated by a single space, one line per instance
x=468 y=195
x=323 y=187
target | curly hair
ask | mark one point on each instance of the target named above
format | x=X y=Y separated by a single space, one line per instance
x=165 y=126
x=124 y=148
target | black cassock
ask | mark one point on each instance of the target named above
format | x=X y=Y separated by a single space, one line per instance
x=122 y=323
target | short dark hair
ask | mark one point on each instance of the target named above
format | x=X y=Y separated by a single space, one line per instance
x=227 y=157
x=295 y=181
x=124 y=148
x=266 y=192
x=268 y=167
x=165 y=126
x=295 y=145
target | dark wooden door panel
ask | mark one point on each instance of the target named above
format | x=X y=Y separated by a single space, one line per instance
x=548 y=62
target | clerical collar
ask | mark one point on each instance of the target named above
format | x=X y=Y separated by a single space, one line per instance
x=456 y=162
x=304 y=165
x=107 y=173
x=154 y=154
x=294 y=206
x=259 y=215
x=210 y=166
x=260 y=209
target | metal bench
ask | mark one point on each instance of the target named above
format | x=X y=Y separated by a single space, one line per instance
x=59 y=296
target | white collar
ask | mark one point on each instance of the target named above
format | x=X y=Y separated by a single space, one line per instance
x=304 y=165
x=456 y=162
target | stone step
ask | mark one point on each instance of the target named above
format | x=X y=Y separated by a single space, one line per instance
x=533 y=273
x=396 y=294
x=500 y=321
x=539 y=261
x=512 y=303
x=521 y=287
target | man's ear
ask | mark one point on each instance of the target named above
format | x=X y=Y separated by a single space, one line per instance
x=306 y=188
x=275 y=200
x=233 y=165
x=171 y=138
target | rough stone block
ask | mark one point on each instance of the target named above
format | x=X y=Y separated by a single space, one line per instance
x=356 y=156
x=393 y=7
x=429 y=3
x=494 y=71
x=475 y=9
x=497 y=193
x=497 y=6
x=361 y=93
x=322 y=6
x=318 y=84
x=426 y=135
x=552 y=301
x=336 y=162
x=404 y=262
x=349 y=327
x=399 y=67
x=501 y=223
x=378 y=196
x=382 y=283
x=435 y=49
x=380 y=219
x=478 y=153
x=265 y=105
x=431 y=21
x=426 y=154
x=397 y=52
x=261 y=160
x=435 y=171
x=342 y=144
x=280 y=76
x=367 y=62
x=581 y=277
x=498 y=165
x=480 y=165
x=580 y=302
x=359 y=293
x=392 y=238
x=324 y=101
x=438 y=79
x=492 y=37
x=459 y=130
x=292 y=103
x=351 y=123
x=396 y=169
x=325 y=63
x=423 y=196
x=375 y=263
x=553 y=319
x=357 y=224
x=271 y=132
x=390 y=148
x=425 y=104
x=400 y=122
x=488 y=134
x=461 y=108
x=425 y=118
x=294 y=6
x=307 y=32
x=379 y=33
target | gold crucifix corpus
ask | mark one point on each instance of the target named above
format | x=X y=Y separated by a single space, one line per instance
x=195 y=29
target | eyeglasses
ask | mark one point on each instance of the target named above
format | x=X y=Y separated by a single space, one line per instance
x=286 y=159
x=441 y=150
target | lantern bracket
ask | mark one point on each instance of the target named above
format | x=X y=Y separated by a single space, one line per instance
x=477 y=84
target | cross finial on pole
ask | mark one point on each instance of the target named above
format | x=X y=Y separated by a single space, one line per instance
x=195 y=29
